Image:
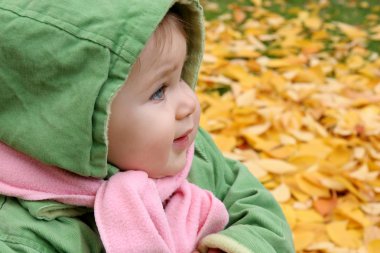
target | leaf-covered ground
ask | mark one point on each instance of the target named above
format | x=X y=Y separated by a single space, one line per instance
x=295 y=95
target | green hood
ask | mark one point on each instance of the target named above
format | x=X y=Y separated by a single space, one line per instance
x=61 y=63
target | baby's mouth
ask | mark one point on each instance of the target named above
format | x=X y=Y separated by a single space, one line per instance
x=184 y=136
x=183 y=140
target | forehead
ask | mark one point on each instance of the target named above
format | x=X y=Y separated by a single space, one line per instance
x=167 y=44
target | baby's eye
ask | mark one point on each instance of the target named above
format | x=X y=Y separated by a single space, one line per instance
x=159 y=94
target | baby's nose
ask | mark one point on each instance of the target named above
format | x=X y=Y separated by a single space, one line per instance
x=186 y=102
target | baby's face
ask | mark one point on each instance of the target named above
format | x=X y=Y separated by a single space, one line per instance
x=154 y=117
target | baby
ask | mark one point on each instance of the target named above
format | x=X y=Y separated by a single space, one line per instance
x=99 y=119
x=155 y=115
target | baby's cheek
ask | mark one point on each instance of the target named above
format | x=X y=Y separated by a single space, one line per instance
x=197 y=112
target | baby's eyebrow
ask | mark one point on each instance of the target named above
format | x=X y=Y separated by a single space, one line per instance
x=167 y=70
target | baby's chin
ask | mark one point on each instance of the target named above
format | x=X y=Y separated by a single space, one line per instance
x=174 y=164
x=158 y=173
x=167 y=173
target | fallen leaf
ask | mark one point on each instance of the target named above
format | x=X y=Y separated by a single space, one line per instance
x=339 y=234
x=373 y=246
x=225 y=143
x=310 y=188
x=326 y=206
x=309 y=216
x=276 y=166
x=351 y=31
x=371 y=208
x=281 y=193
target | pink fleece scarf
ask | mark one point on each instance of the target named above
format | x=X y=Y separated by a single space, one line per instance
x=133 y=212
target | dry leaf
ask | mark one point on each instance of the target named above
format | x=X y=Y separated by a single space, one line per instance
x=373 y=246
x=281 y=193
x=342 y=236
x=276 y=166
x=326 y=206
x=225 y=143
x=371 y=208
x=351 y=31
x=309 y=216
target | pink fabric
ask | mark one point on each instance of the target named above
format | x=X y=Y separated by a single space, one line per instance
x=129 y=209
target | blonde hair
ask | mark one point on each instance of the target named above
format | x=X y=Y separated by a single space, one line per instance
x=163 y=33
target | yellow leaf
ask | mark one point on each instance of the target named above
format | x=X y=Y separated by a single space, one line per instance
x=323 y=246
x=287 y=139
x=332 y=184
x=355 y=215
x=253 y=65
x=299 y=195
x=274 y=80
x=303 y=161
x=311 y=189
x=310 y=47
x=339 y=234
x=283 y=152
x=370 y=70
x=354 y=81
x=373 y=246
x=246 y=98
x=350 y=187
x=239 y=73
x=257 y=3
x=308 y=149
x=225 y=143
x=255 y=169
x=341 y=70
x=259 y=143
x=290 y=214
x=310 y=75
x=302 y=135
x=285 y=62
x=371 y=208
x=302 y=239
x=309 y=216
x=351 y=31
x=340 y=156
x=354 y=62
x=313 y=23
x=281 y=193
x=364 y=174
x=370 y=116
x=257 y=129
x=320 y=35
x=349 y=202
x=276 y=166
x=245 y=116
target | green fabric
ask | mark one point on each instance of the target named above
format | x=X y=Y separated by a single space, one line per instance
x=20 y=231
x=257 y=224
x=61 y=63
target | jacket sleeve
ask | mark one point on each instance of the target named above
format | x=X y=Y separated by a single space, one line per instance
x=45 y=227
x=256 y=222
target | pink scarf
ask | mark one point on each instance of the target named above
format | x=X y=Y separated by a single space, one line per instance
x=133 y=212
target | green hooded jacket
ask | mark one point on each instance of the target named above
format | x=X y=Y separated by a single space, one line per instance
x=61 y=63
